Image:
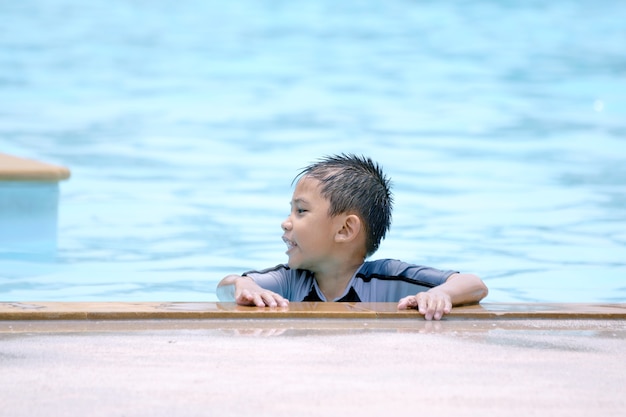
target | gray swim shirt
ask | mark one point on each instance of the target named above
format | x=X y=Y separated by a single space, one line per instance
x=383 y=280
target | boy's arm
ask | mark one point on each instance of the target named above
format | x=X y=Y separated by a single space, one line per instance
x=244 y=291
x=459 y=289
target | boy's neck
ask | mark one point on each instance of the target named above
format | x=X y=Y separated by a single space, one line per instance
x=333 y=284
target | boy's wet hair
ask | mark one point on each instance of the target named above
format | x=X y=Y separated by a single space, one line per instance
x=356 y=184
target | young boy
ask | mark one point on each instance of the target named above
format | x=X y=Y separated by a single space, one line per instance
x=340 y=212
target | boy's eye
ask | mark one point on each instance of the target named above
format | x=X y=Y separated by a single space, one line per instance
x=300 y=211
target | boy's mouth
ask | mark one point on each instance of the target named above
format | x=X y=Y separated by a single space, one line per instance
x=290 y=243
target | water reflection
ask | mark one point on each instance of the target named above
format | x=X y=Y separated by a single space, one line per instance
x=523 y=335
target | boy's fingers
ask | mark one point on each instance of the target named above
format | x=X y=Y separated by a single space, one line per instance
x=439 y=309
x=245 y=298
x=444 y=306
x=269 y=299
x=422 y=303
x=258 y=300
x=407 y=302
x=430 y=306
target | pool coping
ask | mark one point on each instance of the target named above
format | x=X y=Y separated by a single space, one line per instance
x=13 y=168
x=296 y=310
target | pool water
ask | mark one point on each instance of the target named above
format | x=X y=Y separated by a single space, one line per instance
x=501 y=124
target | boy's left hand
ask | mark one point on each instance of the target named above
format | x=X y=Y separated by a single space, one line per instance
x=431 y=304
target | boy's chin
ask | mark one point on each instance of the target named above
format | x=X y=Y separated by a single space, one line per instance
x=292 y=264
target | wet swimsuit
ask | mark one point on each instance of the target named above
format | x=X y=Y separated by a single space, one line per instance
x=383 y=280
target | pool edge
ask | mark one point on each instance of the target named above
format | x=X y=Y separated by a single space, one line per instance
x=17 y=311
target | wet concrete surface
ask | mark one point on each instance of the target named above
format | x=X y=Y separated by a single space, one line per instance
x=280 y=367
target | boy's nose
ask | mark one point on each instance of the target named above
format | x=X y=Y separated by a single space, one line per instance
x=286 y=224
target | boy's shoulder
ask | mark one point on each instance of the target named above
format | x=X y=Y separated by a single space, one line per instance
x=280 y=270
x=383 y=267
x=394 y=268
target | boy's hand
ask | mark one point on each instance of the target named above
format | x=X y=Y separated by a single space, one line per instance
x=248 y=293
x=431 y=304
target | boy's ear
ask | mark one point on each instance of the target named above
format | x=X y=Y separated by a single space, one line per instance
x=349 y=228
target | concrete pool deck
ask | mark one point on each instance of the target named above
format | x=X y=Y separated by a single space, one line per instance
x=217 y=359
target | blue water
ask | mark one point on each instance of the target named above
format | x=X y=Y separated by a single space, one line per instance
x=501 y=123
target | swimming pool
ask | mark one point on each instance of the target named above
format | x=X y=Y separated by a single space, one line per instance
x=501 y=124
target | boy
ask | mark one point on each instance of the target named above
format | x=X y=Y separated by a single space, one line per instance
x=340 y=212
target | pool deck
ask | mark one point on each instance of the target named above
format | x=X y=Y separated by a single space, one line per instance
x=13 y=168
x=320 y=310
x=311 y=359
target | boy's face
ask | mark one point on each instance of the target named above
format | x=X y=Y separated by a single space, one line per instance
x=308 y=230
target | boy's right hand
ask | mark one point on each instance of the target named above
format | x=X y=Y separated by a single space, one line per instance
x=248 y=293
